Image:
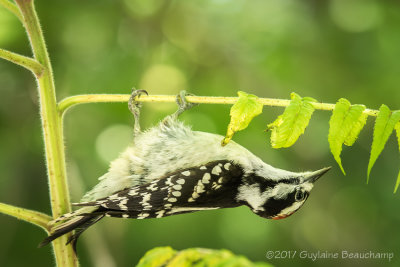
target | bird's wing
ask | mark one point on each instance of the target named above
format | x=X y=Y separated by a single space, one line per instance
x=208 y=186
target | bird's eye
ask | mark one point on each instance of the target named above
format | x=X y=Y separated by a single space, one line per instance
x=300 y=195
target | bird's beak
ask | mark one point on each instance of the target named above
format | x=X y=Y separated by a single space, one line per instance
x=314 y=176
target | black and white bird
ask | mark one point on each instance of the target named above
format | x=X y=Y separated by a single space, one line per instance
x=170 y=169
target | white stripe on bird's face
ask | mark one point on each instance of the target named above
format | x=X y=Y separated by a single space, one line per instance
x=253 y=196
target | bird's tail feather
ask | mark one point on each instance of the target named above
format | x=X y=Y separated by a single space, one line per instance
x=72 y=221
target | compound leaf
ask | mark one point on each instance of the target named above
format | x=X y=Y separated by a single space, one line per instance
x=242 y=112
x=384 y=125
x=344 y=127
x=288 y=127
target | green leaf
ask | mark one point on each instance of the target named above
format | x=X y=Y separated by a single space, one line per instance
x=357 y=127
x=216 y=258
x=185 y=258
x=344 y=127
x=397 y=127
x=397 y=184
x=384 y=125
x=242 y=112
x=195 y=257
x=288 y=127
x=156 y=257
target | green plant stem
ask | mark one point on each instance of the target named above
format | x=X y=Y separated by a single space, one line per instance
x=52 y=132
x=34 y=217
x=68 y=102
x=12 y=8
x=23 y=61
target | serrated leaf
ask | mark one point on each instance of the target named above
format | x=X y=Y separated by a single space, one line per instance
x=288 y=127
x=384 y=125
x=357 y=127
x=156 y=257
x=335 y=129
x=344 y=127
x=242 y=112
x=397 y=127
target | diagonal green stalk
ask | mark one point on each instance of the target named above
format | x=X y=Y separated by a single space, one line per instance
x=34 y=217
x=52 y=131
x=23 y=61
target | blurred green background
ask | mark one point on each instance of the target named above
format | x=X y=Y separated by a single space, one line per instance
x=323 y=49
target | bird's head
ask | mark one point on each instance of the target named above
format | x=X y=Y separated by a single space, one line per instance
x=280 y=196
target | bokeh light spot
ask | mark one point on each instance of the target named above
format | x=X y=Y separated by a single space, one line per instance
x=355 y=15
x=8 y=24
x=112 y=141
x=163 y=79
x=86 y=36
x=143 y=9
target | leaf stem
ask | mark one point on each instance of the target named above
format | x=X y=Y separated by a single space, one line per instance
x=68 y=102
x=52 y=131
x=34 y=217
x=26 y=62
x=12 y=8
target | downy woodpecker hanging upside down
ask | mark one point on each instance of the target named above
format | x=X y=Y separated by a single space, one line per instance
x=170 y=169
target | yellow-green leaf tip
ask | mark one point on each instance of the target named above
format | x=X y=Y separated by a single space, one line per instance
x=341 y=168
x=397 y=184
x=397 y=127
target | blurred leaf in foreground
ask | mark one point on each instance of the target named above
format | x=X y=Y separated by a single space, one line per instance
x=196 y=257
x=156 y=257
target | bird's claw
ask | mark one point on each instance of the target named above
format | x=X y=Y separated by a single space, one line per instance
x=183 y=103
x=134 y=106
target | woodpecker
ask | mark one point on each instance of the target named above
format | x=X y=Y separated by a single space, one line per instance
x=170 y=169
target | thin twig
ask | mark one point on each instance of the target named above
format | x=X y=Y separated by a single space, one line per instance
x=68 y=102
x=26 y=62
x=34 y=217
